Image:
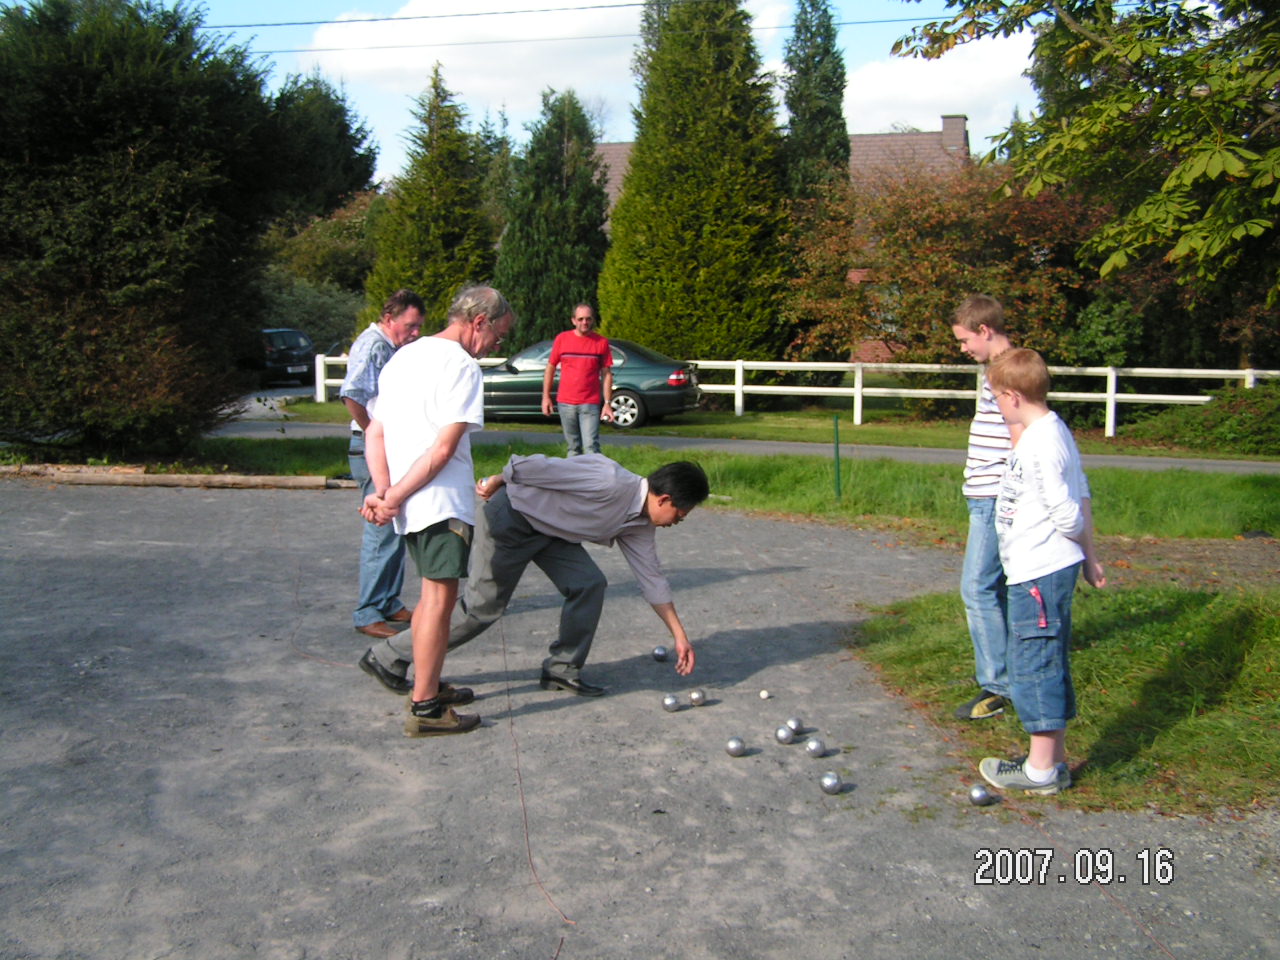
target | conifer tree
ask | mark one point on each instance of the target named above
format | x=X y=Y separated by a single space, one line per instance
x=434 y=237
x=555 y=242
x=816 y=149
x=696 y=264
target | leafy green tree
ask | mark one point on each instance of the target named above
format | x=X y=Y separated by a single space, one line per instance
x=816 y=149
x=555 y=243
x=434 y=236
x=1165 y=112
x=889 y=260
x=138 y=169
x=324 y=150
x=337 y=249
x=696 y=265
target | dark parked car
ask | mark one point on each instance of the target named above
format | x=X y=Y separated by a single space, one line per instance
x=646 y=385
x=287 y=355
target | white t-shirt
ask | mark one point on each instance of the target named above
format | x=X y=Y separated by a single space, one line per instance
x=424 y=387
x=1038 y=512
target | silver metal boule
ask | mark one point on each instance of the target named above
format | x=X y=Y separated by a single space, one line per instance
x=735 y=747
x=814 y=747
x=796 y=725
x=659 y=653
x=784 y=734
x=980 y=796
x=831 y=782
x=671 y=703
x=697 y=696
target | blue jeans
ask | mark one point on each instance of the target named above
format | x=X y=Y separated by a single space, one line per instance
x=381 y=553
x=1039 y=648
x=982 y=587
x=581 y=425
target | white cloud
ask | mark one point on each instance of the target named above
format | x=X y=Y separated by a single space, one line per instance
x=982 y=80
x=524 y=54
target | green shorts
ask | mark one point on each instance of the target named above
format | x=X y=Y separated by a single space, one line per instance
x=440 y=551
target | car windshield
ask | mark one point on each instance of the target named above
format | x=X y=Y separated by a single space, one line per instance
x=289 y=340
x=531 y=358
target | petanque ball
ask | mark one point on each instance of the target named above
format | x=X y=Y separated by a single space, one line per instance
x=814 y=747
x=697 y=696
x=796 y=725
x=735 y=747
x=784 y=734
x=659 y=653
x=980 y=796
x=671 y=703
x=831 y=782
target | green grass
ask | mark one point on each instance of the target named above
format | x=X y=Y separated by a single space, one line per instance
x=1178 y=692
x=886 y=424
x=884 y=493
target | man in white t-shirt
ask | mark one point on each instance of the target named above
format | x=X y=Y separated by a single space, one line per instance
x=418 y=445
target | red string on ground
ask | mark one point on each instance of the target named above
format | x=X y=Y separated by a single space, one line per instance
x=524 y=808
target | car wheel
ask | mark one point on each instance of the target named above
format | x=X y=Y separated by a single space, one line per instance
x=628 y=409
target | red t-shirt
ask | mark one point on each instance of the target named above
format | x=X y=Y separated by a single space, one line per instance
x=581 y=361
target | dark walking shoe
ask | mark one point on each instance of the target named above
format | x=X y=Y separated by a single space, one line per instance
x=392 y=681
x=582 y=689
x=982 y=707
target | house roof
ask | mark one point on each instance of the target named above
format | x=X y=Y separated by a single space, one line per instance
x=870 y=154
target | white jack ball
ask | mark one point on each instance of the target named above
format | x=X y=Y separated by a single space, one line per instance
x=764 y=694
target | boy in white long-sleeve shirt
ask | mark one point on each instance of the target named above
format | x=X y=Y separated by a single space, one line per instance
x=1045 y=527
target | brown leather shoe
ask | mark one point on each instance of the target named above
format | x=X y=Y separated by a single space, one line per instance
x=403 y=615
x=379 y=630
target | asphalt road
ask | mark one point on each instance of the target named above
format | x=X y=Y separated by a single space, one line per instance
x=193 y=766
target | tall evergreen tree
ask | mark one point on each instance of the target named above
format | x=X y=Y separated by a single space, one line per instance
x=816 y=149
x=554 y=245
x=696 y=264
x=434 y=236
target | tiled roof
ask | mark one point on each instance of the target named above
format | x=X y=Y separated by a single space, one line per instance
x=870 y=154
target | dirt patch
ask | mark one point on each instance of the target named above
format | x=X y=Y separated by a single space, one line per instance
x=1195 y=564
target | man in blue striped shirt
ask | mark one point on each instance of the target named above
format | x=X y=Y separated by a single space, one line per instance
x=978 y=324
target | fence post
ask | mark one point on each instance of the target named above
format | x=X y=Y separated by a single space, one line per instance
x=1110 y=430
x=1250 y=378
x=321 y=373
x=739 y=381
x=857 y=395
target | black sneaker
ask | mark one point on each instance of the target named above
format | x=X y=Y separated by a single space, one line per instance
x=431 y=718
x=982 y=707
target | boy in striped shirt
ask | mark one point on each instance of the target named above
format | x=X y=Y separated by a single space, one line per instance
x=978 y=325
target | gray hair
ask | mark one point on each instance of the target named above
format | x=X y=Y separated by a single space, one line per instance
x=471 y=302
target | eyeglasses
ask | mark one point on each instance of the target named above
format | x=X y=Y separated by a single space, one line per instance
x=497 y=337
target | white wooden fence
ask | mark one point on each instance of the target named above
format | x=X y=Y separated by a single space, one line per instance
x=1111 y=395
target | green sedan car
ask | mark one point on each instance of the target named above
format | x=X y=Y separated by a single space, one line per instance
x=646 y=385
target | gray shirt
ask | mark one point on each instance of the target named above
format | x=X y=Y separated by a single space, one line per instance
x=590 y=498
x=369 y=354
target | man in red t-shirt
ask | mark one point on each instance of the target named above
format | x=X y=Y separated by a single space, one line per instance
x=586 y=382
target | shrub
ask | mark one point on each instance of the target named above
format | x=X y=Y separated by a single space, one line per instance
x=1247 y=421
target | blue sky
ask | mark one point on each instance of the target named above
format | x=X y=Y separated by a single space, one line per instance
x=496 y=59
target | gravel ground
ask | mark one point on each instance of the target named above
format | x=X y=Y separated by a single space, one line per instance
x=194 y=767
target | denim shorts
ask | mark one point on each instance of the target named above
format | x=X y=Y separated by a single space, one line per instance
x=1039 y=644
x=441 y=551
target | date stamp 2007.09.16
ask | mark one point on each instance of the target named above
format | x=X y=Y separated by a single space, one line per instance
x=1039 y=866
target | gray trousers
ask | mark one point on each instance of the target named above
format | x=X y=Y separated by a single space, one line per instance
x=503 y=545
